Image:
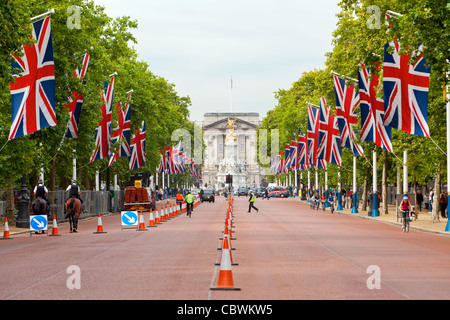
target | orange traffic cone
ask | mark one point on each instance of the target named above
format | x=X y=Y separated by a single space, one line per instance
x=99 y=225
x=162 y=214
x=151 y=222
x=55 y=228
x=166 y=214
x=6 y=234
x=225 y=281
x=141 y=223
x=170 y=211
x=226 y=244
x=157 y=217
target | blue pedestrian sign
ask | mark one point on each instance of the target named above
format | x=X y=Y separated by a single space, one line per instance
x=38 y=223
x=130 y=218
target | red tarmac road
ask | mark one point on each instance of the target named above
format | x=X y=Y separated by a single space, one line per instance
x=286 y=251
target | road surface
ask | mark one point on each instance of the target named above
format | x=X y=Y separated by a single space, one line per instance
x=286 y=251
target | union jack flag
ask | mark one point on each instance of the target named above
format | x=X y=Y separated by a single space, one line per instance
x=287 y=158
x=330 y=142
x=405 y=89
x=313 y=139
x=75 y=104
x=122 y=132
x=103 y=132
x=294 y=155
x=372 y=112
x=303 y=162
x=33 y=91
x=162 y=164
x=347 y=100
x=137 y=158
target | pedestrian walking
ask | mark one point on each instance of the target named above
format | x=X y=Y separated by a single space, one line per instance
x=251 y=202
x=419 y=199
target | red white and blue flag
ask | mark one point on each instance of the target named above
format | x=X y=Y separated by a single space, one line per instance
x=405 y=88
x=372 y=112
x=122 y=133
x=137 y=158
x=76 y=102
x=329 y=136
x=303 y=162
x=313 y=139
x=294 y=156
x=103 y=132
x=347 y=100
x=162 y=164
x=33 y=91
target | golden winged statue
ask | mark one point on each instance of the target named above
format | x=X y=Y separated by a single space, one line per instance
x=230 y=127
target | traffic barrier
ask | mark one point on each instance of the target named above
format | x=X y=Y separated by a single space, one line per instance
x=225 y=281
x=99 y=225
x=55 y=232
x=151 y=221
x=6 y=234
x=141 y=223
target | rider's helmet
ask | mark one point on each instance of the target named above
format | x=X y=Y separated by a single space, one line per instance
x=40 y=181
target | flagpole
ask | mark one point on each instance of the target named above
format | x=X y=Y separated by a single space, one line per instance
x=339 y=193
x=354 y=207
x=375 y=212
x=447 y=228
x=231 y=95
x=52 y=11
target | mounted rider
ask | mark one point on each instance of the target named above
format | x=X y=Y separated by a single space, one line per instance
x=74 y=192
x=41 y=191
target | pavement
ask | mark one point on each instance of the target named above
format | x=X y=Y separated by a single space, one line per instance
x=423 y=222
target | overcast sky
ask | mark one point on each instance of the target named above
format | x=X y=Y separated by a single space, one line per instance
x=265 y=45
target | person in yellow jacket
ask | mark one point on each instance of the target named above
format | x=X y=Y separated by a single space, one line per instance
x=189 y=203
x=251 y=202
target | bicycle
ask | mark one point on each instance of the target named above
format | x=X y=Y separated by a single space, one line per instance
x=331 y=206
x=406 y=218
x=189 y=210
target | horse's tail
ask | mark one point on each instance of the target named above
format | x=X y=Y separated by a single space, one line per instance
x=69 y=212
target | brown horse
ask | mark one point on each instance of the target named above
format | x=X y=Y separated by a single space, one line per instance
x=73 y=211
x=39 y=207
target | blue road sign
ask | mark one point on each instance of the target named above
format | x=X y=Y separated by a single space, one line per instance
x=38 y=223
x=129 y=218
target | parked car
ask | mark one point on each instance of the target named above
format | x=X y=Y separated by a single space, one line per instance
x=208 y=195
x=242 y=191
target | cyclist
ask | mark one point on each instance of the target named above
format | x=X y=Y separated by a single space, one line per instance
x=322 y=201
x=189 y=203
x=405 y=208
x=331 y=202
x=316 y=200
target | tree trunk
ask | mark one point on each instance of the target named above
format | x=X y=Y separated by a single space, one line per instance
x=384 y=194
x=437 y=192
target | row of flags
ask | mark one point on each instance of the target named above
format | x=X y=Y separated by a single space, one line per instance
x=33 y=102
x=404 y=107
x=175 y=161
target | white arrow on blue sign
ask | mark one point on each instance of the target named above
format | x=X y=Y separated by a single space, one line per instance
x=38 y=223
x=129 y=218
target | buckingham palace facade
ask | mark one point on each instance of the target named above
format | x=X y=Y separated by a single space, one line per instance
x=243 y=149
